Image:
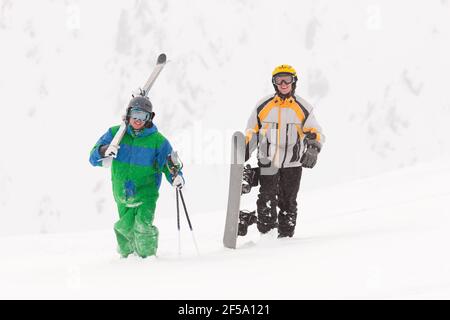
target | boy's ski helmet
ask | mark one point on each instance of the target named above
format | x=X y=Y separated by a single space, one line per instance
x=142 y=103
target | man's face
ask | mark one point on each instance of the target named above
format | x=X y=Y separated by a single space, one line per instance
x=284 y=83
x=284 y=88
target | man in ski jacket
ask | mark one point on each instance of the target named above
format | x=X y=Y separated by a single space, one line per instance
x=136 y=171
x=285 y=131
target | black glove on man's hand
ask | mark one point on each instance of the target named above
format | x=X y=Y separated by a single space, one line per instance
x=102 y=150
x=309 y=158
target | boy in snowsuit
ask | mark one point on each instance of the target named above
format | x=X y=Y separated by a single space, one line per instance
x=285 y=131
x=136 y=171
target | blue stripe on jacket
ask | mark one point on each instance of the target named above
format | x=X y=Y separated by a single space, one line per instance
x=135 y=155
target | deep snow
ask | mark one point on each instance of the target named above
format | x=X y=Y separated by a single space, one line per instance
x=385 y=238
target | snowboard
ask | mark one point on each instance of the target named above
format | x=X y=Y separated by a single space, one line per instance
x=234 y=192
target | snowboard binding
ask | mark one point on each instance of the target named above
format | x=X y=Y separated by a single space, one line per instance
x=250 y=179
x=246 y=218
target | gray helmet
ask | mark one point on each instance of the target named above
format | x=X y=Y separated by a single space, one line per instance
x=142 y=103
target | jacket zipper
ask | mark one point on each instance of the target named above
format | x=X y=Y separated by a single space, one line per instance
x=277 y=153
x=286 y=145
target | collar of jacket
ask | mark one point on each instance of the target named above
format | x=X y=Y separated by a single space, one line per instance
x=286 y=101
x=144 y=133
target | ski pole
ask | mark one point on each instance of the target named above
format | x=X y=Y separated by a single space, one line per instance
x=189 y=222
x=178 y=223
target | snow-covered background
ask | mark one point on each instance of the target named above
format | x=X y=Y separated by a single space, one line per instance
x=376 y=71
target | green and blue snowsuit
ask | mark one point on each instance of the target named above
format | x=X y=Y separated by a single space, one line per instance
x=136 y=177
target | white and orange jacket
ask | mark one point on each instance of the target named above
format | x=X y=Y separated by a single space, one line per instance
x=278 y=129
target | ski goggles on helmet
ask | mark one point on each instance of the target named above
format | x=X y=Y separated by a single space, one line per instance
x=286 y=78
x=139 y=114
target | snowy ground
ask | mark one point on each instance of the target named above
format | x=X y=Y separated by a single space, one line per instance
x=385 y=238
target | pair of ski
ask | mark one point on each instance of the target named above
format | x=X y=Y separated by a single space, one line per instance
x=114 y=145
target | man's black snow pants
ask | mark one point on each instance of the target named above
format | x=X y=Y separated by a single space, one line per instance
x=279 y=190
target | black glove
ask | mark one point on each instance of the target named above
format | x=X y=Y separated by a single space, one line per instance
x=309 y=158
x=102 y=150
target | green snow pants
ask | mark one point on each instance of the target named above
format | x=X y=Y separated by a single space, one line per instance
x=135 y=231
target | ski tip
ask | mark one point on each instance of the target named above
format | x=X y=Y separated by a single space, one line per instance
x=162 y=58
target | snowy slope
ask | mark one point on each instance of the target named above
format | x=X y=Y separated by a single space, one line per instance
x=384 y=237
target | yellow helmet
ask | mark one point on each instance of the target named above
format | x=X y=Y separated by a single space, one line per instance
x=284 y=68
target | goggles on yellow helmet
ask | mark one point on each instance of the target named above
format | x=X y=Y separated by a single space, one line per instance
x=284 y=73
x=286 y=78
